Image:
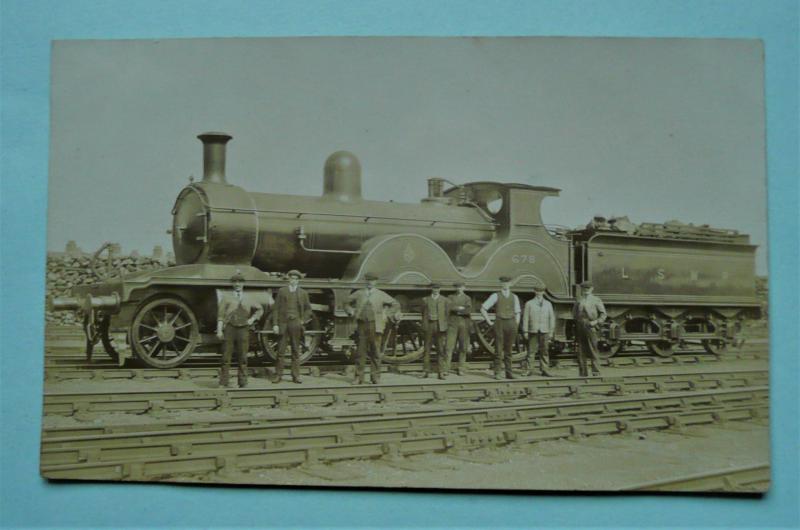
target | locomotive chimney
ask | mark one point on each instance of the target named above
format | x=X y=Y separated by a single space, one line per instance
x=214 y=156
x=342 y=177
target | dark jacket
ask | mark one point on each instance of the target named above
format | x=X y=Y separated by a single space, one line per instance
x=459 y=305
x=384 y=305
x=429 y=305
x=279 y=310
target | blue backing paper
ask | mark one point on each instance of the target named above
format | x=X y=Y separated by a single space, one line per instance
x=27 y=29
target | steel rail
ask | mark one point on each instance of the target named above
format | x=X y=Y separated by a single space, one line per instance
x=753 y=478
x=48 y=434
x=138 y=456
x=299 y=432
x=140 y=402
x=205 y=369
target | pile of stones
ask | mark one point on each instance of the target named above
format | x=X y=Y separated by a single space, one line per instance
x=65 y=271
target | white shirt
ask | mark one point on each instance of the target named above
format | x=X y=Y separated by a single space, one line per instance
x=492 y=300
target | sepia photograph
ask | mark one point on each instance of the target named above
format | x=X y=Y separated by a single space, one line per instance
x=464 y=263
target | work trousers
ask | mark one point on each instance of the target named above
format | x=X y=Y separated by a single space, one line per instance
x=539 y=343
x=434 y=337
x=505 y=332
x=293 y=335
x=369 y=344
x=458 y=335
x=586 y=335
x=236 y=338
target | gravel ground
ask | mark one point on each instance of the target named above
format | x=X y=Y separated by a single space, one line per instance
x=591 y=463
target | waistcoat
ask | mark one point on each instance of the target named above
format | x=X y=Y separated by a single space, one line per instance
x=367 y=311
x=239 y=316
x=292 y=305
x=505 y=306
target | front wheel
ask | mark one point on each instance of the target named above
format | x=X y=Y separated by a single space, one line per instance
x=164 y=332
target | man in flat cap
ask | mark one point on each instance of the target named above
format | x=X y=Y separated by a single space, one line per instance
x=371 y=308
x=588 y=312
x=235 y=315
x=434 y=326
x=459 y=307
x=291 y=311
x=506 y=323
x=539 y=326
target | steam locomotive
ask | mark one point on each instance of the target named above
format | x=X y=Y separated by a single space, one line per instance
x=664 y=285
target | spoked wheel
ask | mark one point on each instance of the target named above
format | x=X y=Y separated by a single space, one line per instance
x=485 y=333
x=107 y=339
x=662 y=348
x=164 y=333
x=608 y=349
x=403 y=342
x=91 y=331
x=715 y=346
x=308 y=346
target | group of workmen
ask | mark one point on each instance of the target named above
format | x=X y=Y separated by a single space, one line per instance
x=445 y=323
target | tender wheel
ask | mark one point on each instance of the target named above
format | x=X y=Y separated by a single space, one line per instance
x=164 y=333
x=486 y=337
x=661 y=348
x=308 y=347
x=608 y=349
x=107 y=339
x=403 y=342
x=715 y=346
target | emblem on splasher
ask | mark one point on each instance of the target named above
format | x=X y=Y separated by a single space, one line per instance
x=409 y=254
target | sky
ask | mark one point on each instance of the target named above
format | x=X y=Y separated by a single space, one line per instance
x=655 y=129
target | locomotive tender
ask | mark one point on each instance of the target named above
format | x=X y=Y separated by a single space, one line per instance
x=663 y=285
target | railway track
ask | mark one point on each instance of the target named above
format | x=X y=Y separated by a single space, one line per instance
x=65 y=369
x=465 y=426
x=142 y=402
x=755 y=478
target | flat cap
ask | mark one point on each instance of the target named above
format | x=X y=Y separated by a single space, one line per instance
x=587 y=284
x=459 y=284
x=294 y=272
x=540 y=288
x=370 y=276
x=237 y=276
x=505 y=278
x=435 y=285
